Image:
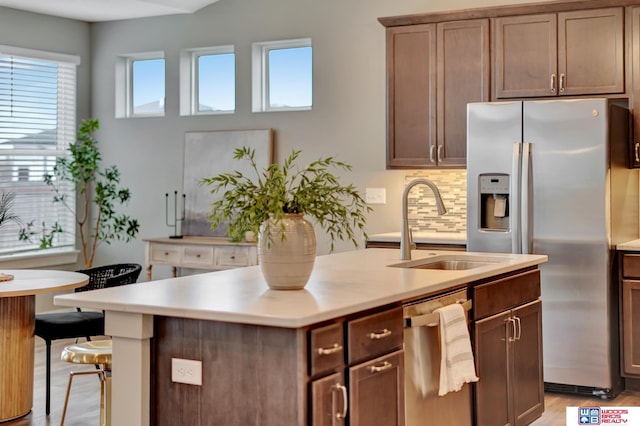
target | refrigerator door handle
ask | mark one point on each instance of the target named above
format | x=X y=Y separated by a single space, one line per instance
x=525 y=190
x=516 y=246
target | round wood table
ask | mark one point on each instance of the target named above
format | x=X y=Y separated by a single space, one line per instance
x=17 y=322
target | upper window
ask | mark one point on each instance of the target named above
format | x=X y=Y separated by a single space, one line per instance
x=37 y=124
x=140 y=85
x=282 y=75
x=208 y=81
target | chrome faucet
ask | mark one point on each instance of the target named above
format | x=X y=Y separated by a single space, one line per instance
x=406 y=239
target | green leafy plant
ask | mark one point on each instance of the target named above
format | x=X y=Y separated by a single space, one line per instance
x=246 y=202
x=6 y=206
x=95 y=187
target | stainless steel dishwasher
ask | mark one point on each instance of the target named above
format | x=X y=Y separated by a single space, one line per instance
x=423 y=406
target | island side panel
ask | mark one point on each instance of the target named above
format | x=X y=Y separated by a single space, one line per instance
x=250 y=374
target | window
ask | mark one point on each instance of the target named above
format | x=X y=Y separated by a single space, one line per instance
x=140 y=85
x=208 y=81
x=37 y=124
x=282 y=75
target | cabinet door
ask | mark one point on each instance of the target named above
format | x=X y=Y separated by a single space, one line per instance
x=376 y=392
x=492 y=401
x=590 y=52
x=527 y=382
x=411 y=80
x=329 y=401
x=634 y=154
x=631 y=327
x=463 y=77
x=525 y=60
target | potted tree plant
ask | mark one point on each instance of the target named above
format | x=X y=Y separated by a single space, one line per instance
x=98 y=190
x=272 y=204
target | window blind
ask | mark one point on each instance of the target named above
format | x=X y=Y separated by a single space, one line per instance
x=37 y=124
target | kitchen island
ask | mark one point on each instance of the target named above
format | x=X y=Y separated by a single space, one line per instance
x=231 y=318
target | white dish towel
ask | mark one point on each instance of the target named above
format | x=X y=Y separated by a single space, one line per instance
x=457 y=366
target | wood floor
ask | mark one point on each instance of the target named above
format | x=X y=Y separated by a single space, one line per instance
x=85 y=396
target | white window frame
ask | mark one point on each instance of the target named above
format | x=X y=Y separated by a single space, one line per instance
x=124 y=83
x=189 y=73
x=65 y=252
x=260 y=73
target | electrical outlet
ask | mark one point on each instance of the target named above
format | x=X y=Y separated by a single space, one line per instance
x=375 y=195
x=187 y=371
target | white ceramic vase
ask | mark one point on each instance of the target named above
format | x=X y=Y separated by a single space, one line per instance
x=287 y=263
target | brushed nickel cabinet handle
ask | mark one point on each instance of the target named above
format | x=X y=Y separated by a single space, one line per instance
x=511 y=334
x=518 y=328
x=377 y=335
x=345 y=401
x=636 y=147
x=561 y=82
x=330 y=350
x=552 y=87
x=382 y=367
x=432 y=151
x=440 y=154
x=515 y=329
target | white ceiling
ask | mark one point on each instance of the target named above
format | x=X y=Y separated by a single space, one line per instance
x=107 y=10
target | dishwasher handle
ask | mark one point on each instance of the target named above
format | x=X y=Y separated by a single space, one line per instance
x=432 y=319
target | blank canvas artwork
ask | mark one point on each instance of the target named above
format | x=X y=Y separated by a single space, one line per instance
x=207 y=154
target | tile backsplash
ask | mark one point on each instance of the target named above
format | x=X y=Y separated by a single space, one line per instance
x=423 y=215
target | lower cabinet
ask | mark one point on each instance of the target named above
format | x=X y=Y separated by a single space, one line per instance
x=631 y=328
x=509 y=364
x=368 y=351
x=376 y=391
x=329 y=401
x=508 y=351
x=630 y=315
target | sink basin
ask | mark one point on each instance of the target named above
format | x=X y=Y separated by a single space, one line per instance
x=451 y=262
x=452 y=265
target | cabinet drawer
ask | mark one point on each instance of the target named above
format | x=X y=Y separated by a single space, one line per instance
x=165 y=253
x=500 y=295
x=196 y=255
x=326 y=349
x=631 y=265
x=374 y=335
x=232 y=257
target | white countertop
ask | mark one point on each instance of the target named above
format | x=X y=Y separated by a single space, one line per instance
x=341 y=284
x=422 y=237
x=629 y=246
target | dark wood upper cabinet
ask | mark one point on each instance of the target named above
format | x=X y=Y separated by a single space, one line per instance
x=634 y=151
x=463 y=77
x=564 y=54
x=411 y=80
x=433 y=71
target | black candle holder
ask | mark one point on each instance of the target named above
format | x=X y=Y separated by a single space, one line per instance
x=176 y=219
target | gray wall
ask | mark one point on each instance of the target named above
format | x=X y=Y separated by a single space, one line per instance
x=347 y=119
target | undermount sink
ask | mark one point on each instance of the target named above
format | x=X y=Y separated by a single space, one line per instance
x=453 y=265
x=451 y=262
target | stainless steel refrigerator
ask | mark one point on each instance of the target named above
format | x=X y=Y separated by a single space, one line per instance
x=551 y=177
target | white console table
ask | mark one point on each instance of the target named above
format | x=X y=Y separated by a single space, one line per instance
x=210 y=253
